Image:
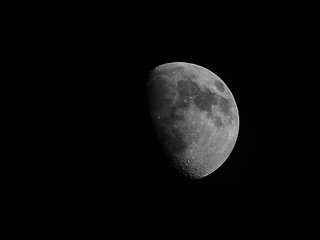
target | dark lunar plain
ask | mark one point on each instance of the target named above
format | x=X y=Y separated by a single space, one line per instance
x=121 y=169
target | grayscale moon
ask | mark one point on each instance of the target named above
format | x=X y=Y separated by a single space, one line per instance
x=195 y=116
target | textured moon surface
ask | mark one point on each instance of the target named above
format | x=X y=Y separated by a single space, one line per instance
x=195 y=116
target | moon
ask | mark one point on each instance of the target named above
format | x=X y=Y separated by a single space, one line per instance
x=195 y=116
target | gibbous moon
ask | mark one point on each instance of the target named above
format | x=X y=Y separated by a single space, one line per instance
x=195 y=116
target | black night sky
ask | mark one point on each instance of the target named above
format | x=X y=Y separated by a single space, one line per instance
x=97 y=157
x=252 y=182
x=125 y=173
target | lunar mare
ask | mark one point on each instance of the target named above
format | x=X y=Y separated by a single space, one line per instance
x=195 y=115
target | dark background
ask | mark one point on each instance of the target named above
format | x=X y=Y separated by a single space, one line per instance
x=254 y=181
x=90 y=156
x=115 y=166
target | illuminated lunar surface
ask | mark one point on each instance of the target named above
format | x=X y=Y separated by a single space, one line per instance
x=195 y=116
